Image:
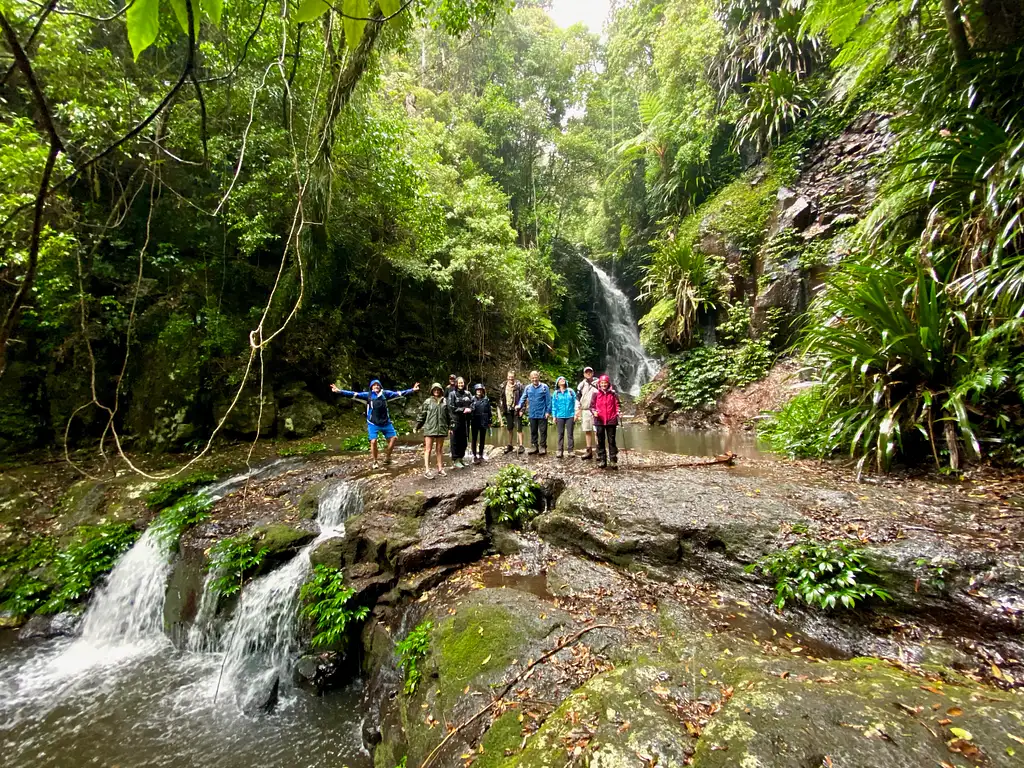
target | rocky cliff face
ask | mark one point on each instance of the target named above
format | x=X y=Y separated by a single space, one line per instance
x=777 y=268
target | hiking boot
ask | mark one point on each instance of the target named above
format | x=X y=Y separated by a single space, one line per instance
x=531 y=452
x=477 y=459
x=521 y=450
x=614 y=464
x=457 y=464
x=561 y=455
x=387 y=461
x=602 y=464
x=588 y=455
x=543 y=451
x=508 y=449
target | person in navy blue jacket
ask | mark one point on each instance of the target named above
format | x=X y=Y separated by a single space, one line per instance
x=537 y=397
x=481 y=421
x=378 y=419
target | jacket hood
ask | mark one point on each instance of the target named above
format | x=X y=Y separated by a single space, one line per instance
x=376 y=381
x=559 y=380
x=604 y=377
x=479 y=386
x=434 y=386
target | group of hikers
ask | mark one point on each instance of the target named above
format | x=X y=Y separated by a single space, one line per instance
x=466 y=415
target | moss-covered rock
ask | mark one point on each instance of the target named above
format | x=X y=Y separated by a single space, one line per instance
x=250 y=414
x=281 y=540
x=84 y=503
x=167 y=404
x=471 y=651
x=861 y=713
x=301 y=417
x=616 y=721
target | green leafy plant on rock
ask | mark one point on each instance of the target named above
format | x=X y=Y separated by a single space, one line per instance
x=411 y=651
x=169 y=491
x=93 y=551
x=21 y=589
x=325 y=596
x=512 y=498
x=820 y=575
x=182 y=515
x=802 y=428
x=231 y=560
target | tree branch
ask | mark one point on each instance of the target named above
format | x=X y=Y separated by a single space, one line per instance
x=50 y=6
x=45 y=118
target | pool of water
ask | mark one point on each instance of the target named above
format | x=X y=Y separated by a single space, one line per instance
x=635 y=437
x=63 y=705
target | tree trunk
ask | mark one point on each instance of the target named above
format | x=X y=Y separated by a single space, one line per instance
x=957 y=32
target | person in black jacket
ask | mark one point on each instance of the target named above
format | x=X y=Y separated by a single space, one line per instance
x=508 y=416
x=481 y=421
x=460 y=406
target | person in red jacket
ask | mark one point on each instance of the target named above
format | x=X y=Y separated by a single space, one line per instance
x=605 y=406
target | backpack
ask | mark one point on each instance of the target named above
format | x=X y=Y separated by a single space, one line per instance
x=377 y=411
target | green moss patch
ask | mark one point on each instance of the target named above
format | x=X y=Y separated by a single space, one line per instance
x=477 y=640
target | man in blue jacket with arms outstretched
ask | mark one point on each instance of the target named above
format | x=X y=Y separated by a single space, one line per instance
x=378 y=419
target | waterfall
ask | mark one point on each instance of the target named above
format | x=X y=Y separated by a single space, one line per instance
x=628 y=366
x=130 y=607
x=261 y=637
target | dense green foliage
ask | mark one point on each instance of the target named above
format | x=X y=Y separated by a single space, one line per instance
x=916 y=338
x=169 y=491
x=324 y=598
x=231 y=560
x=321 y=198
x=512 y=497
x=326 y=201
x=43 y=577
x=821 y=575
x=803 y=428
x=411 y=652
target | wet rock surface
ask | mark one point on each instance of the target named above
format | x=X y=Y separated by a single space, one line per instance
x=620 y=627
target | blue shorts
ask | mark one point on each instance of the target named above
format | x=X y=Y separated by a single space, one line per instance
x=388 y=430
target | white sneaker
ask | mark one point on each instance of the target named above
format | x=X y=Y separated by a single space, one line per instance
x=428 y=474
x=375 y=465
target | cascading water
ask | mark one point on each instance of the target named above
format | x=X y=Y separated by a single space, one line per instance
x=628 y=365
x=122 y=694
x=130 y=607
x=260 y=639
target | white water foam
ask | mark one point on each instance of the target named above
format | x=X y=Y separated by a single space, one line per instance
x=261 y=638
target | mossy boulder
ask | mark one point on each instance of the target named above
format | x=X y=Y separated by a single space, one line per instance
x=301 y=417
x=616 y=721
x=167 y=408
x=309 y=501
x=862 y=713
x=84 y=503
x=253 y=412
x=471 y=652
x=280 y=540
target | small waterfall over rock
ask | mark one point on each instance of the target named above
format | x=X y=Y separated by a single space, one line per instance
x=261 y=638
x=130 y=607
x=628 y=365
